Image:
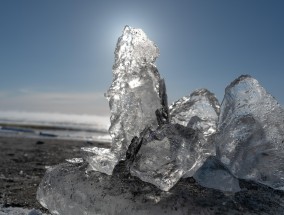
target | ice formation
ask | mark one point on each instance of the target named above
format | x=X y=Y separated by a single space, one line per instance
x=134 y=97
x=19 y=211
x=155 y=148
x=69 y=190
x=199 y=111
x=250 y=141
x=169 y=153
x=181 y=144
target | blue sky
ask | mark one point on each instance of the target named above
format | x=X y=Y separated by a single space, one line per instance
x=57 y=55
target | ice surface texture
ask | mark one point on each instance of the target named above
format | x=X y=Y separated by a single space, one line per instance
x=68 y=190
x=199 y=111
x=214 y=175
x=169 y=153
x=250 y=141
x=19 y=211
x=134 y=97
x=179 y=148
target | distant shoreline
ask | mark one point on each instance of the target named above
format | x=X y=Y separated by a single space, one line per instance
x=63 y=132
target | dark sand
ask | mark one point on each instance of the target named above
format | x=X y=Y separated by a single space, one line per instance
x=23 y=162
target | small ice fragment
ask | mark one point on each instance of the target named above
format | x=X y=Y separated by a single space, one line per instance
x=100 y=159
x=199 y=110
x=75 y=160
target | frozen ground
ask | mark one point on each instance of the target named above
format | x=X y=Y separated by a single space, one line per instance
x=23 y=162
x=19 y=211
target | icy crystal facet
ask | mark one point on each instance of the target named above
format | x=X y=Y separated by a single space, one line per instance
x=134 y=96
x=169 y=153
x=214 y=175
x=199 y=110
x=251 y=132
x=179 y=148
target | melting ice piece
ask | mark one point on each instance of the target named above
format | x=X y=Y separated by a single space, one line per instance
x=19 y=211
x=169 y=153
x=199 y=110
x=100 y=159
x=250 y=141
x=70 y=190
x=214 y=175
x=134 y=96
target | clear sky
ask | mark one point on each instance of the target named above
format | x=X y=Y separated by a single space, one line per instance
x=57 y=55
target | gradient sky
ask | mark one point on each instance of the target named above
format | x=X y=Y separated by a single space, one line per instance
x=57 y=55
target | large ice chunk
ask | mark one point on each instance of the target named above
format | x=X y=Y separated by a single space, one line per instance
x=250 y=141
x=134 y=96
x=169 y=153
x=68 y=189
x=199 y=110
